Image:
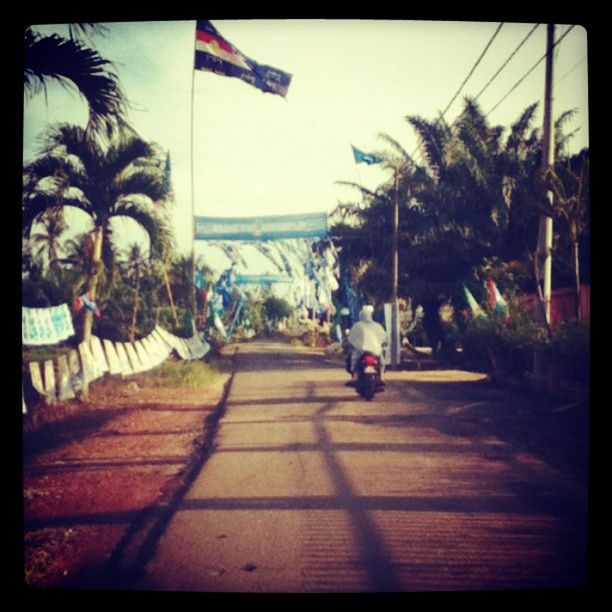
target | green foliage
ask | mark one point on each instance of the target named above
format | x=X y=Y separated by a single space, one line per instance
x=277 y=309
x=569 y=348
x=184 y=374
x=474 y=197
x=503 y=345
x=253 y=315
x=72 y=63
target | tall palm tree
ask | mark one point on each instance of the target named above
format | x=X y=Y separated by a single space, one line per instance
x=135 y=265
x=123 y=179
x=570 y=182
x=70 y=62
x=48 y=239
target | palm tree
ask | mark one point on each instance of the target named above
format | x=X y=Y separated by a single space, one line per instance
x=71 y=63
x=123 y=179
x=48 y=240
x=570 y=182
x=135 y=265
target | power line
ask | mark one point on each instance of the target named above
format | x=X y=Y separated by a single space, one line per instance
x=508 y=60
x=530 y=70
x=499 y=27
x=573 y=67
x=501 y=68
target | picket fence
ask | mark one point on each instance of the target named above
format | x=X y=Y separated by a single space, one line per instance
x=61 y=378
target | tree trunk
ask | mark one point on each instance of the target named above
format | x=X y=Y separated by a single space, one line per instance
x=170 y=299
x=433 y=325
x=135 y=309
x=93 y=284
x=577 y=278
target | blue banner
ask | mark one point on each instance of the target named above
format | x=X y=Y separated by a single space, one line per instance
x=261 y=279
x=42 y=326
x=312 y=225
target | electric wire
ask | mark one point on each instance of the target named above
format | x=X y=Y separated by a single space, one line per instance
x=470 y=73
x=529 y=34
x=499 y=27
x=530 y=70
x=573 y=68
x=508 y=60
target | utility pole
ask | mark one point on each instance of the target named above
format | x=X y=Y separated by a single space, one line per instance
x=395 y=335
x=543 y=261
x=545 y=234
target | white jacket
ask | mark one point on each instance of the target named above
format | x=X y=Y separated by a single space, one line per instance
x=367 y=335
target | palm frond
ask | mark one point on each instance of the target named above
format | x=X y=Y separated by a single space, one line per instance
x=127 y=149
x=75 y=66
x=403 y=158
x=142 y=187
x=75 y=141
x=86 y=30
x=364 y=190
x=432 y=136
x=519 y=129
x=156 y=225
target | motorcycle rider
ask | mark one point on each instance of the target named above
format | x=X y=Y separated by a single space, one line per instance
x=366 y=335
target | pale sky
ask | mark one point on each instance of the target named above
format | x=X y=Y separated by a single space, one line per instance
x=259 y=154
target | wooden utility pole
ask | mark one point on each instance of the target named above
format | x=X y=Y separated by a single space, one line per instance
x=395 y=335
x=543 y=259
x=545 y=234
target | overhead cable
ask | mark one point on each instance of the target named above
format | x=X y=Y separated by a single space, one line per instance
x=530 y=70
x=499 y=27
x=508 y=60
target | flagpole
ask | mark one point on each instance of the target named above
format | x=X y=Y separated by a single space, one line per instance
x=193 y=223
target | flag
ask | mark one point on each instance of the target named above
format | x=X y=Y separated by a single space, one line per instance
x=496 y=301
x=215 y=54
x=367 y=158
x=85 y=301
x=475 y=309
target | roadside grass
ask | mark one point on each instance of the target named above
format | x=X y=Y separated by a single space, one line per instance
x=43 y=353
x=184 y=374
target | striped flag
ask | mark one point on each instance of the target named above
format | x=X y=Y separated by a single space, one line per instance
x=496 y=301
x=215 y=54
x=475 y=310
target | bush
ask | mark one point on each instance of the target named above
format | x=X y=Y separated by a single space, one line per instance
x=253 y=315
x=183 y=374
x=277 y=309
x=503 y=345
x=569 y=349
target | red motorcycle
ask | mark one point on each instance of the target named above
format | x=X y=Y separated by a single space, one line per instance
x=369 y=379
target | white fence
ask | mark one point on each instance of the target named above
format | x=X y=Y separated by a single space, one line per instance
x=61 y=378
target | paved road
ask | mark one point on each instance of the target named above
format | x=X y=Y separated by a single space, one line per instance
x=429 y=487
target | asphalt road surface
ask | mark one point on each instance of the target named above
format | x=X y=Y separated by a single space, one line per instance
x=437 y=485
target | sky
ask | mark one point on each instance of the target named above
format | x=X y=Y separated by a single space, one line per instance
x=256 y=153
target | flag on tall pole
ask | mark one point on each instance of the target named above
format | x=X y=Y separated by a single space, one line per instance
x=215 y=54
x=366 y=158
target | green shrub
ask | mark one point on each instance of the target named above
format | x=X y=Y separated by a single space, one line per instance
x=277 y=309
x=569 y=348
x=503 y=345
x=184 y=374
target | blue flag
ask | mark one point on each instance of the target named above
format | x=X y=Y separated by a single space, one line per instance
x=366 y=158
x=215 y=54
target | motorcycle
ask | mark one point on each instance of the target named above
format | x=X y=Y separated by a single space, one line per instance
x=368 y=372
